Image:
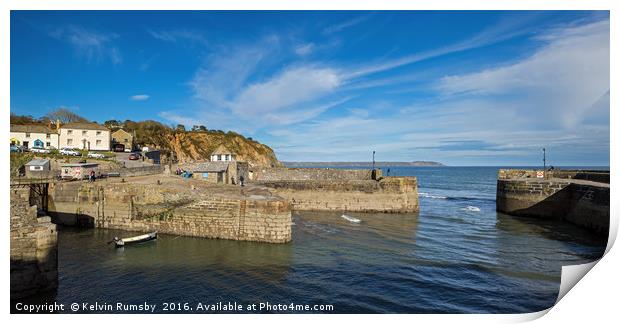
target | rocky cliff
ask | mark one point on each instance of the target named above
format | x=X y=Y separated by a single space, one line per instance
x=193 y=146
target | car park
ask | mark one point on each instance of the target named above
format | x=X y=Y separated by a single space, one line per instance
x=96 y=155
x=70 y=152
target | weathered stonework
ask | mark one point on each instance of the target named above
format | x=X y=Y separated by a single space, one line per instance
x=583 y=203
x=34 y=250
x=389 y=195
x=143 y=208
x=312 y=174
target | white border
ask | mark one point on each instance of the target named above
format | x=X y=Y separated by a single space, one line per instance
x=595 y=298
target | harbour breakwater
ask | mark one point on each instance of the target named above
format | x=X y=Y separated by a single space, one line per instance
x=139 y=207
x=314 y=189
x=563 y=195
x=34 y=251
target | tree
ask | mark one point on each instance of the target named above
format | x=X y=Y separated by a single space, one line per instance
x=21 y=120
x=65 y=116
x=180 y=128
x=112 y=123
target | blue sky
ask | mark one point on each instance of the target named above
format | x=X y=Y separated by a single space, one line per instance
x=462 y=88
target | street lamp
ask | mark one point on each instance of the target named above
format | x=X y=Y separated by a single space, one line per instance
x=544 y=163
x=373 y=160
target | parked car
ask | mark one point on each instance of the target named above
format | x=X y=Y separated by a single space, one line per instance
x=68 y=151
x=17 y=148
x=134 y=156
x=40 y=150
x=96 y=155
x=127 y=150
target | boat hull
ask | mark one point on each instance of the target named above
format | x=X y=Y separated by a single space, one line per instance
x=136 y=239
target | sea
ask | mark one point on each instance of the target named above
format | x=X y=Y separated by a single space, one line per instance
x=457 y=255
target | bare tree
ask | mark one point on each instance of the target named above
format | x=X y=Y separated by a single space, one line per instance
x=65 y=116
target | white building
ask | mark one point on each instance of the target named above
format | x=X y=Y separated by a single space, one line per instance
x=34 y=136
x=222 y=154
x=84 y=136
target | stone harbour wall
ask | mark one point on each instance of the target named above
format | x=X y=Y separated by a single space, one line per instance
x=389 y=195
x=150 y=208
x=580 y=203
x=315 y=174
x=34 y=249
x=589 y=175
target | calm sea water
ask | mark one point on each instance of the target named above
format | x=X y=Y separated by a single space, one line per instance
x=457 y=255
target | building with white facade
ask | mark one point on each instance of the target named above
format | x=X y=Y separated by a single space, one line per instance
x=84 y=136
x=222 y=154
x=34 y=136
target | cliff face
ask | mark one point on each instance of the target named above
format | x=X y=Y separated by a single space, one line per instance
x=195 y=146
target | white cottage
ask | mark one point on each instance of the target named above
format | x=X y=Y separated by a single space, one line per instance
x=222 y=154
x=34 y=136
x=85 y=136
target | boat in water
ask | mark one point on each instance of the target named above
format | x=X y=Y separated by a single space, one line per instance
x=135 y=239
x=351 y=219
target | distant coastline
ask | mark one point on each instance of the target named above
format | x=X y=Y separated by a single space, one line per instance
x=362 y=164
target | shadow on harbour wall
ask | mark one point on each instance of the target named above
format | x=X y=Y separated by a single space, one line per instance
x=583 y=204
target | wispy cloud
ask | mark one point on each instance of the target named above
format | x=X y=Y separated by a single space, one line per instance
x=345 y=24
x=305 y=49
x=566 y=77
x=92 y=45
x=504 y=29
x=140 y=97
x=178 y=35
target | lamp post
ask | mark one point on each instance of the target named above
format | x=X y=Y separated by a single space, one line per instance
x=373 y=160
x=544 y=163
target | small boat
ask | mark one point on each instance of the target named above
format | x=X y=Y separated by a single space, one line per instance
x=136 y=239
x=351 y=219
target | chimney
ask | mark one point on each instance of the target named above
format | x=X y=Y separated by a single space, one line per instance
x=57 y=124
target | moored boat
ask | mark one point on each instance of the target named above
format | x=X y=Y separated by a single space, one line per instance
x=351 y=219
x=135 y=239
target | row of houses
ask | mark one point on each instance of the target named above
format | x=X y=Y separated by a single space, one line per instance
x=84 y=136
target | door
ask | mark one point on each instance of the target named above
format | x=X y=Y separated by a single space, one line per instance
x=25 y=144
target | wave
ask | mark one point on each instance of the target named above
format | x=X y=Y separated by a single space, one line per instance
x=436 y=196
x=427 y=195
x=471 y=209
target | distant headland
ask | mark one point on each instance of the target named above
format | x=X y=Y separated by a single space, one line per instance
x=363 y=164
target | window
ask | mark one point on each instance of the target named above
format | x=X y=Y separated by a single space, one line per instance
x=70 y=132
x=219 y=157
x=126 y=140
x=69 y=141
x=27 y=135
x=47 y=144
x=48 y=136
x=84 y=133
x=98 y=142
x=98 y=132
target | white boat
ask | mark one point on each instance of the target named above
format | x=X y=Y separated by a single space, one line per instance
x=135 y=239
x=351 y=219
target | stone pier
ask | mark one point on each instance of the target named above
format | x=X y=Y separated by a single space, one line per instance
x=176 y=206
x=34 y=249
x=564 y=195
x=341 y=190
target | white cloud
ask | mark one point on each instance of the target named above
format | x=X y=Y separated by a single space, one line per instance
x=345 y=24
x=92 y=45
x=174 y=36
x=305 y=49
x=560 y=82
x=140 y=97
x=292 y=86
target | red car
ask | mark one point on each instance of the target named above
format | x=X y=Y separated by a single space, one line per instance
x=134 y=156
